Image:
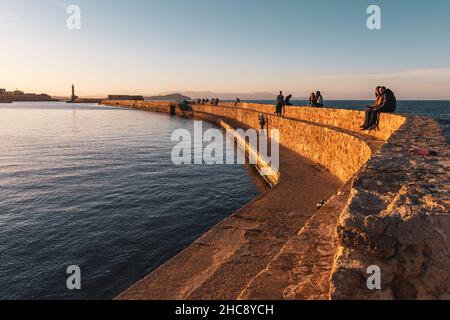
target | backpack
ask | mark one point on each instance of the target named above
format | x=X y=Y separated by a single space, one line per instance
x=391 y=105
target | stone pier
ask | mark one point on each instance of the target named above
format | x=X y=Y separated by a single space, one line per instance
x=385 y=208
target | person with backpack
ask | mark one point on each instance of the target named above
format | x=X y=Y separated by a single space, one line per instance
x=389 y=104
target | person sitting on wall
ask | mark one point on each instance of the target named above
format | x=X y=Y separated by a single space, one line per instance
x=312 y=102
x=280 y=104
x=319 y=100
x=371 y=109
x=388 y=104
x=237 y=102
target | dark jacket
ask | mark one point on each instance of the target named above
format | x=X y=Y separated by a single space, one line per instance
x=389 y=102
x=280 y=100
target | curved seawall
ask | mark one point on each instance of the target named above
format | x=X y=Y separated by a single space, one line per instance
x=385 y=208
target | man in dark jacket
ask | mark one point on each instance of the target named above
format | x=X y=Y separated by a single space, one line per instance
x=279 y=104
x=388 y=105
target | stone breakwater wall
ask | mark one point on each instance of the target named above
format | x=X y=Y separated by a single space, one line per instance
x=337 y=149
x=398 y=218
x=395 y=214
x=336 y=118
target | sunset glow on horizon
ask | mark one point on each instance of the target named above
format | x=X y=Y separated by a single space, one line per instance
x=154 y=47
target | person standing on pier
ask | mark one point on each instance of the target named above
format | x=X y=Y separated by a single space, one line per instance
x=280 y=104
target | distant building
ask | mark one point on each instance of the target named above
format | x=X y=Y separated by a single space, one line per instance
x=125 y=97
x=5 y=97
x=17 y=95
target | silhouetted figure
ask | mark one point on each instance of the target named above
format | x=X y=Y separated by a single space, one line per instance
x=371 y=109
x=288 y=100
x=262 y=121
x=279 y=104
x=387 y=104
x=319 y=100
x=237 y=102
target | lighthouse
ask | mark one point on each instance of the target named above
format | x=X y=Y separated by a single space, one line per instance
x=73 y=98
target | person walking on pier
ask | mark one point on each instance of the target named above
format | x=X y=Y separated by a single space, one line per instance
x=262 y=121
x=280 y=104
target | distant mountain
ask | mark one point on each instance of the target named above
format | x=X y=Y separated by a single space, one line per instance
x=169 y=97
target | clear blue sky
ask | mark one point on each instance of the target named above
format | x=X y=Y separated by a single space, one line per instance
x=155 y=46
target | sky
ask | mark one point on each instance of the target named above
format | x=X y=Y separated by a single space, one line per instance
x=225 y=46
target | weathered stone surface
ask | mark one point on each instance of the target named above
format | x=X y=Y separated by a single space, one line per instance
x=302 y=268
x=406 y=230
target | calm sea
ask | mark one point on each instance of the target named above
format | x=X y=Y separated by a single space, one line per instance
x=440 y=110
x=95 y=187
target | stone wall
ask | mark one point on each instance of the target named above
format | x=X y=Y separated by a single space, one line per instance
x=341 y=152
x=162 y=107
x=396 y=215
x=397 y=218
x=337 y=118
